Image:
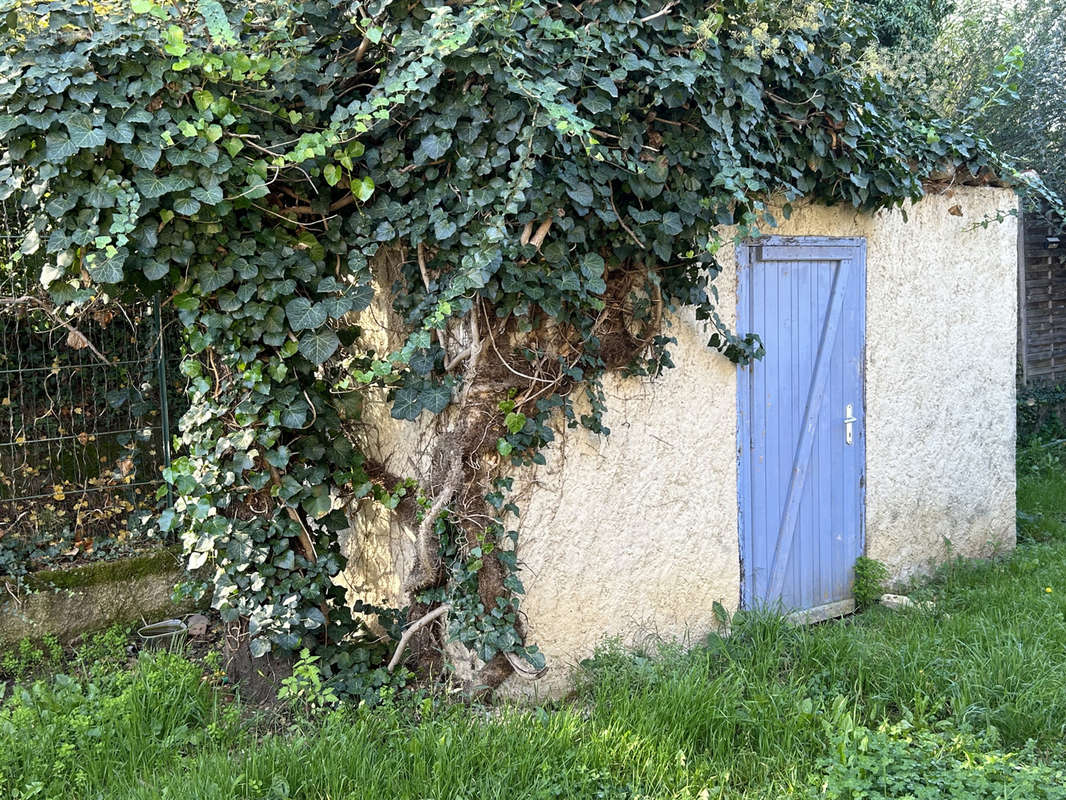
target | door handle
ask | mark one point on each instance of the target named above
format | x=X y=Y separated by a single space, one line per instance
x=849 y=422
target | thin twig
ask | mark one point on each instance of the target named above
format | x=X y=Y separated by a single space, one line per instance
x=527 y=231
x=492 y=341
x=470 y=376
x=458 y=357
x=424 y=271
x=625 y=227
x=336 y=205
x=416 y=626
x=305 y=537
x=422 y=268
x=522 y=669
x=661 y=12
x=43 y=306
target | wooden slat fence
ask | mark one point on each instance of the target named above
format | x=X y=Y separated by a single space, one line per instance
x=1041 y=304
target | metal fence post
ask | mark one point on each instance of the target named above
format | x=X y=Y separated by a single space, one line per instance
x=164 y=407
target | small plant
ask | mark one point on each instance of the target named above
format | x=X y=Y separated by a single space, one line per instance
x=304 y=689
x=870 y=577
x=28 y=657
x=103 y=652
x=902 y=761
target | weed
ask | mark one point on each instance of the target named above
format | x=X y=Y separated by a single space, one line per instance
x=29 y=657
x=901 y=761
x=103 y=652
x=304 y=690
x=870 y=577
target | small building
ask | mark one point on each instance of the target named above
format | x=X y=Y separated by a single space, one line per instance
x=880 y=423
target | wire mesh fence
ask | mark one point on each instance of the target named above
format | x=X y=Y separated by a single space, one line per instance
x=84 y=417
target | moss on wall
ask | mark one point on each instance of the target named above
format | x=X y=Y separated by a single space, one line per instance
x=124 y=569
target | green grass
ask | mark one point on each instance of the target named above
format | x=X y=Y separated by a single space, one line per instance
x=967 y=701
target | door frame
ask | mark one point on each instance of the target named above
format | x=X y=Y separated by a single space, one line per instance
x=855 y=247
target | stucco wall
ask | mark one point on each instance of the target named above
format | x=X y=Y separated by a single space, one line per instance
x=634 y=536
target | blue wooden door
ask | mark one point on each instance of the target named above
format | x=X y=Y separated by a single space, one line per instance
x=801 y=435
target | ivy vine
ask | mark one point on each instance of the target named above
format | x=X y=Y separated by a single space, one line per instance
x=548 y=181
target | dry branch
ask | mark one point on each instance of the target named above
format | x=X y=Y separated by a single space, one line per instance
x=416 y=626
x=427 y=567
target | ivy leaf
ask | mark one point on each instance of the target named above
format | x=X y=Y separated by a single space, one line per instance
x=363 y=189
x=672 y=223
x=319 y=504
x=186 y=302
x=318 y=346
x=106 y=267
x=186 y=206
x=751 y=95
x=592 y=265
x=361 y=296
x=332 y=173
x=443 y=229
x=422 y=361
x=211 y=196
x=407 y=404
x=174 y=39
x=155 y=270
x=435 y=146
x=287 y=560
x=435 y=397
x=59 y=147
x=143 y=155
x=82 y=132
x=152 y=185
x=582 y=194
x=597 y=102
x=514 y=421
x=303 y=315
x=203 y=99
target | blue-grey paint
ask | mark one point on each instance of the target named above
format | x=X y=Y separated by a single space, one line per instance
x=801 y=485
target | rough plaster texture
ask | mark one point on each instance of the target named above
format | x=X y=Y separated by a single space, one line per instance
x=634 y=536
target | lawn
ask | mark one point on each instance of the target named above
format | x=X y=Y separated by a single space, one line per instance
x=964 y=701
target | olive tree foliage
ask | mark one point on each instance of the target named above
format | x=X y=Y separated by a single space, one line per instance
x=907 y=23
x=547 y=182
x=1028 y=127
x=999 y=67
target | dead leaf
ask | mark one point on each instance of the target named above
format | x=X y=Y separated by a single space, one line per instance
x=103 y=316
x=83 y=438
x=76 y=341
x=955 y=210
x=125 y=466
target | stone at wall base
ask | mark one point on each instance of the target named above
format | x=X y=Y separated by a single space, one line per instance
x=898 y=601
x=69 y=603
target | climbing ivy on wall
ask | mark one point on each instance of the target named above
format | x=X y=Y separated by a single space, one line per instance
x=532 y=186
